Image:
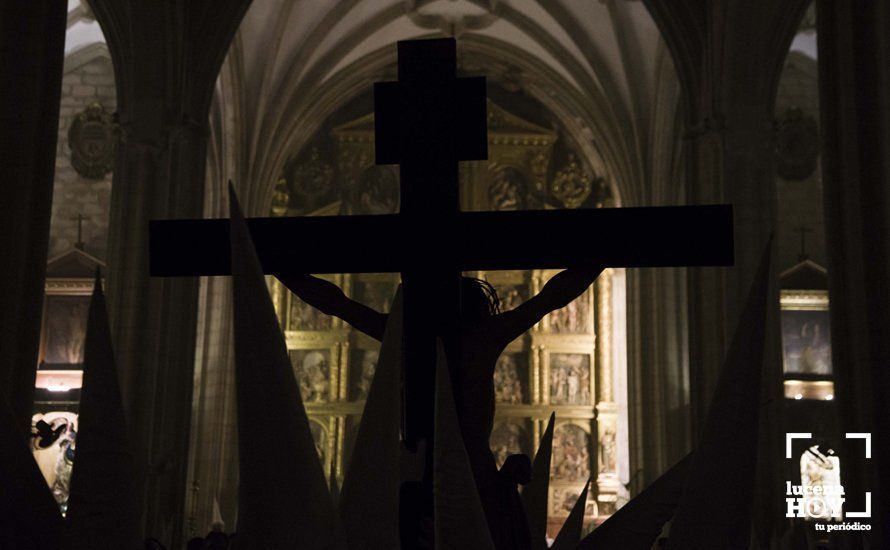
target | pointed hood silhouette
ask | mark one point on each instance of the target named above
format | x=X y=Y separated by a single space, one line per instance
x=570 y=533
x=166 y=535
x=29 y=516
x=459 y=520
x=535 y=493
x=729 y=442
x=637 y=524
x=103 y=511
x=280 y=506
x=217 y=522
x=335 y=491
x=369 y=498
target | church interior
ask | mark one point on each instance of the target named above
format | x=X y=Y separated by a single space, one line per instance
x=122 y=112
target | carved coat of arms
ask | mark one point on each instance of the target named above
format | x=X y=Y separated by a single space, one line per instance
x=92 y=139
x=797 y=145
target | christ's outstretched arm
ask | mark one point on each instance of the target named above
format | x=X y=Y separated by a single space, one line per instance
x=327 y=298
x=561 y=289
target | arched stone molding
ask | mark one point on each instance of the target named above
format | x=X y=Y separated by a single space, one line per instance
x=81 y=56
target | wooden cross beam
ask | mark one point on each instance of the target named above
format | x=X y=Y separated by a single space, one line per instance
x=427 y=122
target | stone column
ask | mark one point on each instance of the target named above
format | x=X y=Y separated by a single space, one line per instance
x=657 y=382
x=213 y=461
x=154 y=319
x=854 y=79
x=706 y=307
x=167 y=57
x=32 y=45
x=729 y=55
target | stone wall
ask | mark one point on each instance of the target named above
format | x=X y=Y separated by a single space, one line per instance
x=88 y=78
x=800 y=202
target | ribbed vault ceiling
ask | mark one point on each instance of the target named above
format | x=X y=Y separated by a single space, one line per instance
x=612 y=44
x=602 y=62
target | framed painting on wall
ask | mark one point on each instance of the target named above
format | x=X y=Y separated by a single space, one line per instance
x=65 y=328
x=806 y=333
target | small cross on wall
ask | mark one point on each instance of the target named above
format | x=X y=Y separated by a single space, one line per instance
x=79 y=218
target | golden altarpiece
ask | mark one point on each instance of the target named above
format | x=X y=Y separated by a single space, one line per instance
x=563 y=364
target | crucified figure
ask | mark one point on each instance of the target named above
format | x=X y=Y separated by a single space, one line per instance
x=485 y=332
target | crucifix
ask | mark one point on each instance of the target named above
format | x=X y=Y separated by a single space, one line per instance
x=427 y=122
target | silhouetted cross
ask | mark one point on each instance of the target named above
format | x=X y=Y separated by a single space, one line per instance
x=427 y=122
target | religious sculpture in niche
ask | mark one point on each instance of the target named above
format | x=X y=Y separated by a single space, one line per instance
x=508 y=438
x=511 y=295
x=608 y=451
x=509 y=188
x=92 y=139
x=377 y=192
x=797 y=145
x=806 y=342
x=572 y=184
x=53 y=441
x=571 y=455
x=366 y=363
x=305 y=317
x=280 y=198
x=508 y=378
x=572 y=319
x=65 y=329
x=569 y=379
x=312 y=370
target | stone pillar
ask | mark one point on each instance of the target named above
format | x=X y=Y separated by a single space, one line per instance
x=213 y=468
x=657 y=382
x=854 y=79
x=750 y=185
x=167 y=57
x=32 y=46
x=154 y=319
x=729 y=55
x=706 y=307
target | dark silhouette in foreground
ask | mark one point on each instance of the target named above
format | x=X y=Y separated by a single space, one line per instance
x=426 y=122
x=485 y=332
